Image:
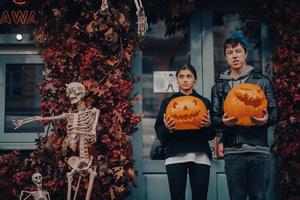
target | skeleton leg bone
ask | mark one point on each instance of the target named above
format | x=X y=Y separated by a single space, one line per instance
x=93 y=174
x=77 y=187
x=70 y=180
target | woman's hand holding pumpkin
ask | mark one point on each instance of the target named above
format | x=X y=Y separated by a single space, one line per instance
x=260 y=121
x=229 y=121
x=169 y=122
x=205 y=121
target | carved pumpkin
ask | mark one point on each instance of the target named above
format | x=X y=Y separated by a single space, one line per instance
x=187 y=112
x=244 y=101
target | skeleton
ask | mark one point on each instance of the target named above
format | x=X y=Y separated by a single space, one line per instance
x=140 y=13
x=81 y=127
x=40 y=194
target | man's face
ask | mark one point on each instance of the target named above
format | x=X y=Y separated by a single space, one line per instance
x=236 y=57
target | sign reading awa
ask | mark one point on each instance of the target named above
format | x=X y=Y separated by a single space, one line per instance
x=17 y=17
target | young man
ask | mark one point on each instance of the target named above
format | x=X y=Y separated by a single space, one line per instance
x=246 y=151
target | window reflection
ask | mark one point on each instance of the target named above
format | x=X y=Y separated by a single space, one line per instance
x=226 y=23
x=160 y=55
x=21 y=95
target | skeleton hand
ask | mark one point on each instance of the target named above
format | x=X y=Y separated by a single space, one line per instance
x=142 y=22
x=17 y=122
x=20 y=122
x=104 y=5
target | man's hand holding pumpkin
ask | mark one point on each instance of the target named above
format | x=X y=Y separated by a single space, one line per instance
x=220 y=150
x=229 y=121
x=260 y=121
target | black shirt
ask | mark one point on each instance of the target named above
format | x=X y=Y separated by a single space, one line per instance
x=184 y=141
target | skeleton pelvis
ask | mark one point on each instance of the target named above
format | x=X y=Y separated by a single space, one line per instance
x=78 y=163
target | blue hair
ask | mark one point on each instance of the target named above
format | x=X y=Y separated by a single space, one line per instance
x=236 y=38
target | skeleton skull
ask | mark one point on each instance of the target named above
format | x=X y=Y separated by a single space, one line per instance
x=37 y=178
x=75 y=92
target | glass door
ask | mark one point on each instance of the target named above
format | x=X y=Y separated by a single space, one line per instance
x=161 y=57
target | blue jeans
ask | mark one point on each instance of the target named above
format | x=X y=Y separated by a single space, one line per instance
x=247 y=175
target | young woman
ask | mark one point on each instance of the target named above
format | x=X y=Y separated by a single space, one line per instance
x=188 y=151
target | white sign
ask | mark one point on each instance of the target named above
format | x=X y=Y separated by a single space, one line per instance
x=164 y=81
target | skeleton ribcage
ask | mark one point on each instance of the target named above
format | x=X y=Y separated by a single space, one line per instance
x=82 y=123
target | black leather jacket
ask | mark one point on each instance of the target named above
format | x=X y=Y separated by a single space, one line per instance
x=237 y=135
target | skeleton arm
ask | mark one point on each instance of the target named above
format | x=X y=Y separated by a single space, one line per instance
x=20 y=122
x=96 y=120
x=22 y=193
x=48 y=195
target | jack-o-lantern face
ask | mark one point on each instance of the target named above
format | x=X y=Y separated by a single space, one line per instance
x=187 y=112
x=244 y=101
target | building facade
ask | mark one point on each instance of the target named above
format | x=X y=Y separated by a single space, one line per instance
x=201 y=44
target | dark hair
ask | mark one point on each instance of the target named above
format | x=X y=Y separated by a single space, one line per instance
x=234 y=40
x=187 y=67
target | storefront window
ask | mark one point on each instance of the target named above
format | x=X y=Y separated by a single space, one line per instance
x=21 y=96
x=17 y=16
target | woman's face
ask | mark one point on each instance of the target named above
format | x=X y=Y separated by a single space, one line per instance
x=186 y=80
